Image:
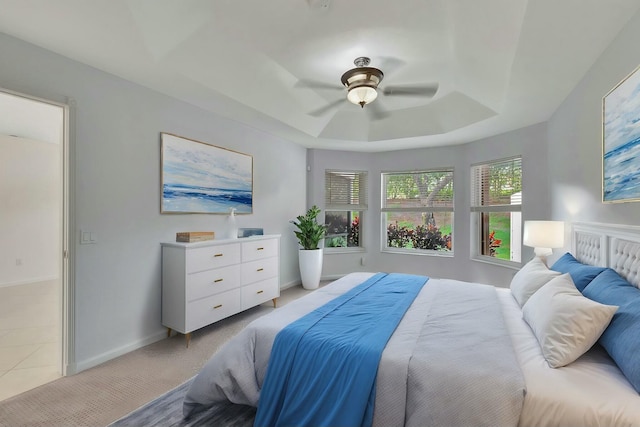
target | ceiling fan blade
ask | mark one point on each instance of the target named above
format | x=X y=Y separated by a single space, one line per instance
x=375 y=111
x=323 y=110
x=312 y=84
x=389 y=64
x=428 y=90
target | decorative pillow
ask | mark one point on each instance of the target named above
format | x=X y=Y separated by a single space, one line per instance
x=621 y=339
x=565 y=322
x=531 y=277
x=581 y=273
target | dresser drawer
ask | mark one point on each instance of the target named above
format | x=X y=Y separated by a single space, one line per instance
x=209 y=257
x=261 y=269
x=205 y=311
x=209 y=282
x=259 y=292
x=258 y=249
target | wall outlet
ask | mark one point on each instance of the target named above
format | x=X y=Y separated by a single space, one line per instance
x=18 y=262
x=363 y=261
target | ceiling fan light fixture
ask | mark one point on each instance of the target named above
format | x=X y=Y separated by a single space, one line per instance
x=362 y=95
x=361 y=82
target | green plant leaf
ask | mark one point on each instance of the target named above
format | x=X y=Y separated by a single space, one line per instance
x=309 y=232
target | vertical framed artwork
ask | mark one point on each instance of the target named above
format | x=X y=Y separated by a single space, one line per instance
x=621 y=141
x=201 y=178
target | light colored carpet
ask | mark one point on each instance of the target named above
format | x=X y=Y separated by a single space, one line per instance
x=105 y=393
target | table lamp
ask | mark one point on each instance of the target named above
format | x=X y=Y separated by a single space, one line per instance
x=543 y=236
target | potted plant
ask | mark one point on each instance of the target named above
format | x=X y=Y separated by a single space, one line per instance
x=309 y=233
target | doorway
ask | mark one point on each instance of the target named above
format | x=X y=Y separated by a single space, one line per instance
x=33 y=247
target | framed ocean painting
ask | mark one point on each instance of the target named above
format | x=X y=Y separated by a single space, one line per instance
x=621 y=141
x=201 y=178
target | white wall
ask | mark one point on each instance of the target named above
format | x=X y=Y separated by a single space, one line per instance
x=30 y=194
x=116 y=145
x=529 y=142
x=575 y=139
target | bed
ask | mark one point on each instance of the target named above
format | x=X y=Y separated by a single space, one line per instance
x=455 y=358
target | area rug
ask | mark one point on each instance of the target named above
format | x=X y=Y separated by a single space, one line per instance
x=166 y=411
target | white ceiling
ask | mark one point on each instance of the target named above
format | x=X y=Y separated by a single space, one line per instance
x=500 y=64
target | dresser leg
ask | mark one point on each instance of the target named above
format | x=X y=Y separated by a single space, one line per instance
x=168 y=332
x=274 y=302
x=188 y=338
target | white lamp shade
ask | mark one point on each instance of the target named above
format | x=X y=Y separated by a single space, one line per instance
x=543 y=235
x=362 y=94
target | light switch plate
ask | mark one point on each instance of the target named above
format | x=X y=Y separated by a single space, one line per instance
x=88 y=237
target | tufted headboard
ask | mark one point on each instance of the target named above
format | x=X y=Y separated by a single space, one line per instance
x=608 y=245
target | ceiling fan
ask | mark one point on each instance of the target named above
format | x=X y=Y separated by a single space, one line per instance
x=362 y=83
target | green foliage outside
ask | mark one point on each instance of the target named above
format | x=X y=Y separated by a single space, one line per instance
x=505 y=179
x=407 y=186
x=335 y=242
x=341 y=231
x=427 y=237
x=501 y=225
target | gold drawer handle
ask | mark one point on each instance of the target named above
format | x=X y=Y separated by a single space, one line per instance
x=260 y=269
x=260 y=249
x=217 y=306
x=217 y=255
x=259 y=292
x=218 y=280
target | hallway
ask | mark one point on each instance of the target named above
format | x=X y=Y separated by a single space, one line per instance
x=29 y=336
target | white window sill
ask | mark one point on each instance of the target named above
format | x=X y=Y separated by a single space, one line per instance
x=495 y=261
x=448 y=254
x=352 y=250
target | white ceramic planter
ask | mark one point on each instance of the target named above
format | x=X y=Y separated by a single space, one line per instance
x=310 y=262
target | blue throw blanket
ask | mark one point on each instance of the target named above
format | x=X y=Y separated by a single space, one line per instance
x=323 y=367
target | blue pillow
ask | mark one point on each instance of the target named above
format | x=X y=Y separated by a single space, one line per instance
x=581 y=273
x=621 y=339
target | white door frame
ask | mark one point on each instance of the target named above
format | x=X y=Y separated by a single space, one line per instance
x=66 y=262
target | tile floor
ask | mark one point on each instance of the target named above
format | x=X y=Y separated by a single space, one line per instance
x=30 y=343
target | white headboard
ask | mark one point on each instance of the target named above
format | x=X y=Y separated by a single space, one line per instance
x=608 y=245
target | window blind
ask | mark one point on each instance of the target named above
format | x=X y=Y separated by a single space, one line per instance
x=345 y=191
x=497 y=186
x=420 y=190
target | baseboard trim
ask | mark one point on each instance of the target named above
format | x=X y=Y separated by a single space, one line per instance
x=105 y=357
x=290 y=284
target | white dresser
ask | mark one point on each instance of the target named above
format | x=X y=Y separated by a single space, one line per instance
x=207 y=281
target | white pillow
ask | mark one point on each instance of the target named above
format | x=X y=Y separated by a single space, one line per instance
x=565 y=322
x=531 y=277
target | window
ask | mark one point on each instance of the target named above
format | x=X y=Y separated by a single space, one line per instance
x=345 y=202
x=417 y=211
x=496 y=201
